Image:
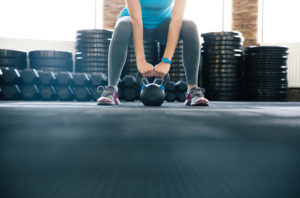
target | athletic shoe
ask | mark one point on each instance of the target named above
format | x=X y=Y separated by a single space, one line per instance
x=109 y=96
x=195 y=97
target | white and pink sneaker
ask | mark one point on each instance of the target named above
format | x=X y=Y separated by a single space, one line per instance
x=195 y=97
x=109 y=96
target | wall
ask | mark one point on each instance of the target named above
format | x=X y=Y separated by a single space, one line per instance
x=111 y=10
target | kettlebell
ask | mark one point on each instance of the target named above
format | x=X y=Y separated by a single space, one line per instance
x=152 y=94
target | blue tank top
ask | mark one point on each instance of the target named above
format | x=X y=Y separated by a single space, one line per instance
x=154 y=12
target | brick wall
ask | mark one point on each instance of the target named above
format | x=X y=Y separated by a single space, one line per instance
x=244 y=19
x=111 y=10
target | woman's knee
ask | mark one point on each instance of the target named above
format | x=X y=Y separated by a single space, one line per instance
x=123 y=25
x=189 y=28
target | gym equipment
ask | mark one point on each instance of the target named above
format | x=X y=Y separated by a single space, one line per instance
x=181 y=86
x=30 y=76
x=82 y=93
x=152 y=94
x=266 y=73
x=30 y=92
x=180 y=96
x=65 y=93
x=222 y=63
x=130 y=81
x=170 y=86
x=170 y=96
x=97 y=79
x=11 y=92
x=13 y=59
x=92 y=50
x=81 y=79
x=47 y=78
x=64 y=78
x=47 y=93
x=9 y=76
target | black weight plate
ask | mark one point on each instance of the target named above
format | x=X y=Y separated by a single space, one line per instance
x=266 y=67
x=266 y=48
x=222 y=47
x=233 y=33
x=222 y=52
x=50 y=54
x=50 y=62
x=266 y=55
x=92 y=64
x=224 y=38
x=222 y=94
x=224 y=89
x=275 y=73
x=222 y=75
x=259 y=59
x=93 y=36
x=92 y=50
x=224 y=43
x=233 y=80
x=92 y=40
x=223 y=66
x=275 y=62
x=224 y=98
x=211 y=56
x=5 y=53
x=92 y=55
x=211 y=70
x=13 y=62
x=94 y=70
x=95 y=31
x=103 y=44
x=89 y=59
x=221 y=61
x=54 y=69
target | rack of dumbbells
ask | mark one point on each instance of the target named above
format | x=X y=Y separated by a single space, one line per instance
x=176 y=72
x=49 y=60
x=92 y=50
x=223 y=65
x=266 y=73
x=31 y=84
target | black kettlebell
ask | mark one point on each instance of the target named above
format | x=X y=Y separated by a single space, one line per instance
x=152 y=94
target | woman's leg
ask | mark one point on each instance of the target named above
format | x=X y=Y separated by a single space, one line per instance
x=191 y=51
x=191 y=47
x=118 y=50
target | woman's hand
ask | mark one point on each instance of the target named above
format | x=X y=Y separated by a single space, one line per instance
x=161 y=69
x=145 y=68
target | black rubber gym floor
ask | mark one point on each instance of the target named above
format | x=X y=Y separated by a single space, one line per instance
x=230 y=149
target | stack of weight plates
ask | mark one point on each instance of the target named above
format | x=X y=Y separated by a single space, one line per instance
x=177 y=72
x=222 y=65
x=13 y=59
x=92 y=50
x=48 y=60
x=266 y=73
x=151 y=55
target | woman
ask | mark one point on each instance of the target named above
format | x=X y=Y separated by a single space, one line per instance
x=160 y=20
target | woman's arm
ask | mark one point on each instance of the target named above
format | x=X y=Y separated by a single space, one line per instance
x=174 y=30
x=135 y=11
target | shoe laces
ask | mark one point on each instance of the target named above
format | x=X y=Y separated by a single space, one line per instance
x=197 y=91
x=106 y=90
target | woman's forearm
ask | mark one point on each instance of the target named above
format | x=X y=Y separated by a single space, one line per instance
x=173 y=35
x=137 y=30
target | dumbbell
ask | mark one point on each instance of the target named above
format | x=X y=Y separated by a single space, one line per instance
x=81 y=79
x=129 y=94
x=97 y=79
x=170 y=96
x=48 y=92
x=29 y=77
x=94 y=93
x=9 y=76
x=30 y=92
x=64 y=79
x=47 y=78
x=129 y=81
x=82 y=93
x=181 y=86
x=180 y=96
x=11 y=92
x=65 y=93
x=170 y=86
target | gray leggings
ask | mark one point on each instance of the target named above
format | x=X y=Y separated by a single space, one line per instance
x=122 y=37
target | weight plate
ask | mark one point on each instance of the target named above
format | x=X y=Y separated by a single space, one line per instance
x=102 y=44
x=222 y=52
x=89 y=54
x=92 y=40
x=95 y=31
x=224 y=98
x=222 y=94
x=50 y=54
x=266 y=48
x=12 y=54
x=92 y=50
x=223 y=43
x=224 y=38
x=223 y=80
x=53 y=69
x=222 y=47
x=214 y=70
x=50 y=62
x=221 y=61
x=93 y=36
x=222 y=75
x=233 y=33
x=270 y=61
x=88 y=59
x=211 y=56
x=13 y=62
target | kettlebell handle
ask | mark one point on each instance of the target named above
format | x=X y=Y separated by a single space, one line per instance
x=144 y=80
